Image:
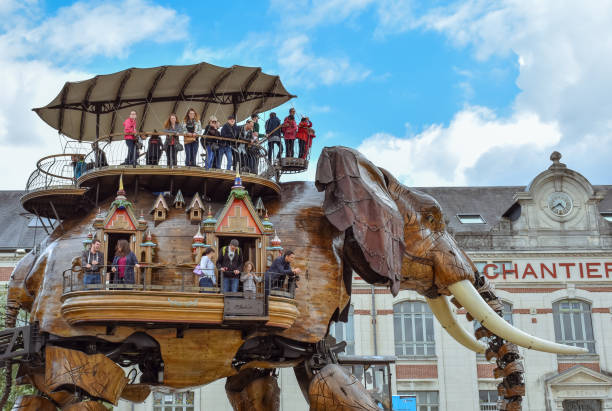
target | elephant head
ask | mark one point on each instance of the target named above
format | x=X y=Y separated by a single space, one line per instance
x=395 y=235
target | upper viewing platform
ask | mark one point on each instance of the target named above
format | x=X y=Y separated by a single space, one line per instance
x=164 y=128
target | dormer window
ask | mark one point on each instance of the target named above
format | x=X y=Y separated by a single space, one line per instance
x=471 y=219
x=607 y=215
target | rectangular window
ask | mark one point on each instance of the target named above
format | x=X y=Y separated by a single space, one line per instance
x=413 y=329
x=178 y=401
x=573 y=325
x=470 y=219
x=425 y=400
x=488 y=400
x=607 y=215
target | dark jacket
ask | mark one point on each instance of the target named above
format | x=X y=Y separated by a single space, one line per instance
x=131 y=261
x=280 y=268
x=229 y=131
x=271 y=124
x=235 y=264
x=209 y=131
x=87 y=258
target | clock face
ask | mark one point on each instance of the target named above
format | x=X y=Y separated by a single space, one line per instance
x=560 y=203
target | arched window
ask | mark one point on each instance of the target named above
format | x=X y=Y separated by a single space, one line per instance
x=345 y=332
x=413 y=329
x=573 y=325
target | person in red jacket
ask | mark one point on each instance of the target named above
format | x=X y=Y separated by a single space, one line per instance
x=289 y=129
x=311 y=135
x=129 y=128
x=302 y=135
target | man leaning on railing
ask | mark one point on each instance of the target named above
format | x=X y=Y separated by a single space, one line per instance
x=279 y=270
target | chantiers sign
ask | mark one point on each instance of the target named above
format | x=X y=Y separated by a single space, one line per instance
x=549 y=270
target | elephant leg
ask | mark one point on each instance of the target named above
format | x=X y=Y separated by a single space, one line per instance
x=253 y=389
x=303 y=379
x=334 y=389
x=33 y=403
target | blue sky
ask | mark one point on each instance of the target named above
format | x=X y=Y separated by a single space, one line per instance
x=439 y=92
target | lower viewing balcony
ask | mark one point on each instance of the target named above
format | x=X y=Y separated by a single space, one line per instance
x=104 y=301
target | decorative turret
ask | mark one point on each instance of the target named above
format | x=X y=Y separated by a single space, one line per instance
x=210 y=222
x=99 y=220
x=267 y=224
x=198 y=245
x=121 y=201
x=88 y=240
x=141 y=220
x=275 y=243
x=195 y=209
x=274 y=250
x=179 y=201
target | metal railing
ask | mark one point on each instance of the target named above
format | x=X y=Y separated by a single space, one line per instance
x=106 y=278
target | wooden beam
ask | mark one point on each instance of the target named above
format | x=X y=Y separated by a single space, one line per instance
x=124 y=80
x=188 y=79
x=63 y=102
x=220 y=79
x=86 y=103
x=158 y=77
x=270 y=90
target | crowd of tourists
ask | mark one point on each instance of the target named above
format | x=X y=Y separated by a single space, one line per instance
x=230 y=269
x=239 y=145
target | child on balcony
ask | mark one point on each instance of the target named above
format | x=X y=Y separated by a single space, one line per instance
x=249 y=280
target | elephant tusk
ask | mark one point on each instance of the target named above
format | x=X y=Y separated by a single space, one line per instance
x=442 y=310
x=467 y=295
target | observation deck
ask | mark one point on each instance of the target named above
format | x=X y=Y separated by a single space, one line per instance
x=70 y=183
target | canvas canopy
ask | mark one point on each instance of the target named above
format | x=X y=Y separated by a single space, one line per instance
x=98 y=106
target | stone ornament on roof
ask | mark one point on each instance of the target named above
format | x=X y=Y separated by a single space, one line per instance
x=555 y=157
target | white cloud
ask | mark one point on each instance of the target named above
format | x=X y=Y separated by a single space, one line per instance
x=298 y=64
x=564 y=56
x=307 y=14
x=448 y=155
x=87 y=29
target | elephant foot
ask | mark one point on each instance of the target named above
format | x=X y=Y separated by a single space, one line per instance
x=253 y=389
x=85 y=406
x=334 y=389
x=33 y=403
x=96 y=374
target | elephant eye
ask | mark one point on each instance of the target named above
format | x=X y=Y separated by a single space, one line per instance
x=430 y=218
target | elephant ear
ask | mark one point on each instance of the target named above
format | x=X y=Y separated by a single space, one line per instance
x=356 y=198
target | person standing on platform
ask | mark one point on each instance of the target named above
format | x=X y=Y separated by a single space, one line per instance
x=273 y=132
x=154 y=149
x=249 y=281
x=192 y=129
x=207 y=269
x=247 y=153
x=129 y=128
x=211 y=144
x=171 y=143
x=92 y=260
x=229 y=264
x=124 y=262
x=229 y=131
x=302 y=135
x=289 y=129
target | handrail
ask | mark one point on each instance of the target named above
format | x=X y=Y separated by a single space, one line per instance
x=73 y=279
